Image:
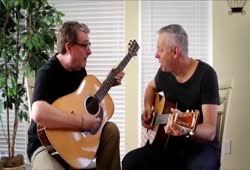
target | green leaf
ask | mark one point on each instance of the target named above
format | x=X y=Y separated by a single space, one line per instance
x=29 y=45
x=3 y=54
x=24 y=4
x=48 y=7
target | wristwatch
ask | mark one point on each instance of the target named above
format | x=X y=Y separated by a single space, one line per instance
x=190 y=134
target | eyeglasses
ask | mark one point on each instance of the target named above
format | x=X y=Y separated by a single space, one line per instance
x=86 y=45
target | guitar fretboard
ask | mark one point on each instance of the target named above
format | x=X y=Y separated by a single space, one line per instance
x=110 y=80
x=161 y=119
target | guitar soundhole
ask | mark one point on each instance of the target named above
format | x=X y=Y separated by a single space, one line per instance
x=92 y=105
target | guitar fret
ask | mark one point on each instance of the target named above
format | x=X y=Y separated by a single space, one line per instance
x=110 y=80
x=186 y=121
x=161 y=119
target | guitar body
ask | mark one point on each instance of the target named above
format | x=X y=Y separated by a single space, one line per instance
x=162 y=106
x=78 y=149
x=157 y=135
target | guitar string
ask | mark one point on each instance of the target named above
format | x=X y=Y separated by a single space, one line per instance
x=108 y=83
x=161 y=119
x=101 y=92
x=168 y=137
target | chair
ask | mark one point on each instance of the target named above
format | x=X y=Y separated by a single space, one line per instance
x=225 y=90
x=30 y=81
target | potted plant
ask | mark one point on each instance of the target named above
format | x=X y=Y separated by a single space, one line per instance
x=27 y=38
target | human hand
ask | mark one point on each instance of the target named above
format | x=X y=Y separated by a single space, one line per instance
x=118 y=77
x=90 y=122
x=146 y=118
x=171 y=128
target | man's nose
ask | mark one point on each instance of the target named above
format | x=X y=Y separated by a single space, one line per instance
x=89 y=51
x=157 y=55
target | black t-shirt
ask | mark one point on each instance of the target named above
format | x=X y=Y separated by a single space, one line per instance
x=52 y=82
x=201 y=88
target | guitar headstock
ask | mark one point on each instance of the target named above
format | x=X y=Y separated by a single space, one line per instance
x=187 y=120
x=133 y=47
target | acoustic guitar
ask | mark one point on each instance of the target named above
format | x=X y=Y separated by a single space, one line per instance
x=157 y=136
x=78 y=149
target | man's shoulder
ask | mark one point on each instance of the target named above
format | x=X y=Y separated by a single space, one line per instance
x=205 y=67
x=49 y=67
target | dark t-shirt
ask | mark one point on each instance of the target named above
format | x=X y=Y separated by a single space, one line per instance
x=201 y=88
x=52 y=82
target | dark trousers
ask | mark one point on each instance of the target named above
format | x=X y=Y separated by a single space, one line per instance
x=190 y=157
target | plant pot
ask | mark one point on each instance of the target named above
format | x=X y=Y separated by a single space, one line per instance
x=22 y=167
x=15 y=163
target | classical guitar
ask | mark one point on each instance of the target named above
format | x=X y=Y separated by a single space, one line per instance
x=78 y=149
x=157 y=136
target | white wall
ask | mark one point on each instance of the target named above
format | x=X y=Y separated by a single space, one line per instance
x=131 y=78
x=231 y=52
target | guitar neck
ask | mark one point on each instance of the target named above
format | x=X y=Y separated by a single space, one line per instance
x=110 y=80
x=186 y=119
x=160 y=119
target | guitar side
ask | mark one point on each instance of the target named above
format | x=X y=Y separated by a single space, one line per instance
x=157 y=135
x=159 y=106
x=76 y=148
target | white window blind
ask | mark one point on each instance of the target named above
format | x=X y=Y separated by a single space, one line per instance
x=106 y=20
x=194 y=16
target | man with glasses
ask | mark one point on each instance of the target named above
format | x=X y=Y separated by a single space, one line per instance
x=62 y=75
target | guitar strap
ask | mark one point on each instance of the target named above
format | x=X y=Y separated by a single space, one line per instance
x=64 y=164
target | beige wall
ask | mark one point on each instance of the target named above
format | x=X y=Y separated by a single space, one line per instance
x=131 y=78
x=231 y=52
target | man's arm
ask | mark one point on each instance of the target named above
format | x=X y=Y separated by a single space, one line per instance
x=51 y=117
x=148 y=103
x=206 y=131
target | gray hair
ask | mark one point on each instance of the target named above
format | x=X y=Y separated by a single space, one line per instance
x=180 y=36
x=68 y=33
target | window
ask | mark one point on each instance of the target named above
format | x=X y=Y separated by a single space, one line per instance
x=194 y=16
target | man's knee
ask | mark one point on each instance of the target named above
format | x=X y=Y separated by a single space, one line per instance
x=203 y=165
x=42 y=160
x=110 y=129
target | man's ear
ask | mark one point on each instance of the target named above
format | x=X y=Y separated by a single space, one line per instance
x=176 y=51
x=68 y=47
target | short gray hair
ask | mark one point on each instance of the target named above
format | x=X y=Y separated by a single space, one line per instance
x=180 y=36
